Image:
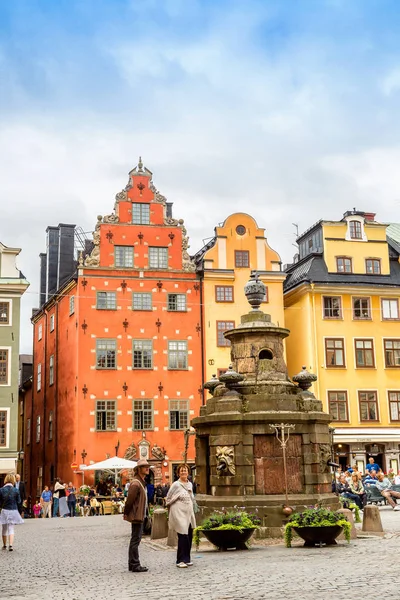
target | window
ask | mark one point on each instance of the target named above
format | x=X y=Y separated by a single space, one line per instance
x=3 y=367
x=332 y=307
x=142 y=301
x=394 y=406
x=51 y=322
x=106 y=415
x=39 y=478
x=364 y=353
x=71 y=305
x=368 y=406
x=373 y=266
x=242 y=258
x=338 y=406
x=178 y=414
x=3 y=428
x=40 y=332
x=334 y=352
x=142 y=414
x=361 y=308
x=392 y=353
x=50 y=425
x=123 y=256
x=355 y=230
x=4 y=313
x=390 y=309
x=240 y=229
x=176 y=302
x=106 y=351
x=177 y=355
x=51 y=370
x=158 y=258
x=140 y=213
x=28 y=431
x=39 y=377
x=223 y=326
x=37 y=429
x=224 y=293
x=343 y=264
x=106 y=300
x=142 y=354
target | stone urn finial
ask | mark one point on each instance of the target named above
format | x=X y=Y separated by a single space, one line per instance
x=254 y=291
x=212 y=384
x=304 y=378
x=230 y=377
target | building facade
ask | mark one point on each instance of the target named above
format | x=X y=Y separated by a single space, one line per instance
x=342 y=307
x=224 y=264
x=117 y=352
x=12 y=285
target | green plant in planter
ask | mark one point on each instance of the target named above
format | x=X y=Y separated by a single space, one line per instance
x=84 y=490
x=236 y=519
x=352 y=506
x=316 y=517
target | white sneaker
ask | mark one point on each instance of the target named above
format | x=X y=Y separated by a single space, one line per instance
x=397 y=507
x=183 y=565
x=189 y=564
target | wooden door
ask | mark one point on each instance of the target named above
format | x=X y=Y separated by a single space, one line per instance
x=268 y=465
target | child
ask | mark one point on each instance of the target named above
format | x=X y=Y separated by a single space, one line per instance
x=37 y=509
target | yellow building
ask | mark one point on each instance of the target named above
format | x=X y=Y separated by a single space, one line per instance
x=342 y=307
x=239 y=246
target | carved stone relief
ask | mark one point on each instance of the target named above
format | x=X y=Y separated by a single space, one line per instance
x=130 y=452
x=225 y=456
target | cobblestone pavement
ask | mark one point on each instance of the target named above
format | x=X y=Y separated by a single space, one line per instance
x=86 y=558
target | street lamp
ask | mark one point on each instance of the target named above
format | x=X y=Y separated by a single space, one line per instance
x=282 y=432
x=21 y=456
x=187 y=433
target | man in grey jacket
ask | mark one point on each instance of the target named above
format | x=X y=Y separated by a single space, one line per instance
x=135 y=511
x=384 y=486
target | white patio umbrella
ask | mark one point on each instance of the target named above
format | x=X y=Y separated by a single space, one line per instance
x=113 y=465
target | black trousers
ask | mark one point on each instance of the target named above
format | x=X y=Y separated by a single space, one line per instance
x=136 y=536
x=184 y=546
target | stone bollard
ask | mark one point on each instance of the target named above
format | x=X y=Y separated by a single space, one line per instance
x=350 y=517
x=372 y=523
x=159 y=527
x=172 y=538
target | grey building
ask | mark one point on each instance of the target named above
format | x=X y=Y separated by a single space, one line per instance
x=12 y=285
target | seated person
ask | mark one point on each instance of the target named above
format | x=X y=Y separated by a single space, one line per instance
x=85 y=506
x=357 y=488
x=397 y=479
x=372 y=465
x=343 y=489
x=95 y=506
x=384 y=486
x=92 y=492
x=371 y=478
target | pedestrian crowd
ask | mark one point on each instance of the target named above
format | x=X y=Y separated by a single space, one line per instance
x=353 y=485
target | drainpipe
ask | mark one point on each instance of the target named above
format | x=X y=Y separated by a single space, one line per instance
x=315 y=339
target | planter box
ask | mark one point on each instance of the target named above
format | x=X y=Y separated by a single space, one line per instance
x=229 y=538
x=319 y=535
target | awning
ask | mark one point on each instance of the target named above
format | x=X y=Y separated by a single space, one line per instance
x=364 y=436
x=7 y=465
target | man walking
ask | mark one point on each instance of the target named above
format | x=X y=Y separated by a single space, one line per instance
x=20 y=486
x=56 y=496
x=135 y=511
x=45 y=501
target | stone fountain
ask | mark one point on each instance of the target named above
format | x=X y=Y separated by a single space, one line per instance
x=239 y=454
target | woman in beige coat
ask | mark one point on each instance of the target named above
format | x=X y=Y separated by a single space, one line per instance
x=181 y=517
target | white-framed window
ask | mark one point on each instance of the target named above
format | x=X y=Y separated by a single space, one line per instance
x=123 y=256
x=3 y=428
x=142 y=354
x=38 y=429
x=178 y=355
x=106 y=415
x=106 y=354
x=5 y=365
x=390 y=309
x=40 y=332
x=51 y=370
x=39 y=377
x=51 y=323
x=142 y=415
x=140 y=213
x=106 y=300
x=142 y=301
x=158 y=257
x=71 y=305
x=5 y=312
x=176 y=302
x=178 y=414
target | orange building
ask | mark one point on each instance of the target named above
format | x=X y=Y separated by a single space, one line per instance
x=117 y=348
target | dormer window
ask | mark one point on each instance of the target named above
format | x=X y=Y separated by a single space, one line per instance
x=140 y=213
x=355 y=230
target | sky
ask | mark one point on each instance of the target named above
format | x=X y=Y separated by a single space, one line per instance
x=285 y=109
